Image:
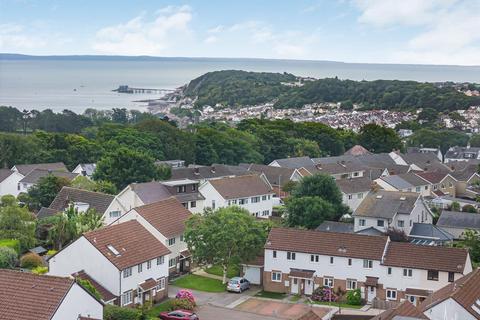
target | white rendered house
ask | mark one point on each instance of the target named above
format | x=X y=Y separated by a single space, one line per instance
x=251 y=192
x=125 y=259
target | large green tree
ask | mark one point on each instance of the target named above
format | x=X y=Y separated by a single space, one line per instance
x=379 y=139
x=471 y=241
x=124 y=166
x=224 y=236
x=43 y=193
x=17 y=223
x=315 y=199
x=309 y=212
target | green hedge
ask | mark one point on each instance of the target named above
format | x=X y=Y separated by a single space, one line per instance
x=117 y=313
x=11 y=243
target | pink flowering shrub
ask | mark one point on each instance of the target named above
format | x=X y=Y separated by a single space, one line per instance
x=185 y=295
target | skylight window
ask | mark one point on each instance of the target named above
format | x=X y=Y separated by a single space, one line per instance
x=113 y=250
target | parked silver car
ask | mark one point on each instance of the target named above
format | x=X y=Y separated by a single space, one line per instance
x=238 y=284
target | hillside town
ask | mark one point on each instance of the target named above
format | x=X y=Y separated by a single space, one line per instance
x=394 y=252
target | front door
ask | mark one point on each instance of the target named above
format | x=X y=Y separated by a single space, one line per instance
x=308 y=287
x=294 y=287
x=372 y=293
x=146 y=296
x=182 y=265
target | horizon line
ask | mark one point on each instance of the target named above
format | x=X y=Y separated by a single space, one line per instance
x=19 y=55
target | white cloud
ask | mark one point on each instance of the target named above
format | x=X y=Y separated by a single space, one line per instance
x=141 y=36
x=211 y=39
x=14 y=38
x=446 y=31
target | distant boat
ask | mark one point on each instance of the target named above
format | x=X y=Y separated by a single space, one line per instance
x=74 y=89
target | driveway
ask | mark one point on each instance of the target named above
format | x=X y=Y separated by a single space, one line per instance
x=209 y=312
x=219 y=299
x=279 y=310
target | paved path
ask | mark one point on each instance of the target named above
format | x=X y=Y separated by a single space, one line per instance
x=201 y=272
x=220 y=299
x=209 y=312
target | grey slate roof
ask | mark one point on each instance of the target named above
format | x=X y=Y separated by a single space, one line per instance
x=371 y=231
x=275 y=175
x=461 y=220
x=405 y=180
x=97 y=200
x=5 y=173
x=354 y=185
x=295 y=163
x=340 y=167
x=46 y=212
x=207 y=172
x=24 y=169
x=36 y=174
x=150 y=192
x=386 y=204
x=426 y=230
x=334 y=226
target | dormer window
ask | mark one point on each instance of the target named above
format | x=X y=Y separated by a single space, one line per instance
x=181 y=189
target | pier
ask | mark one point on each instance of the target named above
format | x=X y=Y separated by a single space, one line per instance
x=127 y=89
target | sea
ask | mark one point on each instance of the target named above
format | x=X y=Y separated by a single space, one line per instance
x=80 y=82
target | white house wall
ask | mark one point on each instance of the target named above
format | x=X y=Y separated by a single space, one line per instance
x=356 y=199
x=82 y=255
x=123 y=202
x=449 y=309
x=10 y=185
x=341 y=270
x=78 y=302
x=211 y=195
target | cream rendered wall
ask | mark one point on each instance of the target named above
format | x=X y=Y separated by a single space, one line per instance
x=123 y=202
x=78 y=302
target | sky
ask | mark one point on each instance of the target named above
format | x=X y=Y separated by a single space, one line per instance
x=367 y=31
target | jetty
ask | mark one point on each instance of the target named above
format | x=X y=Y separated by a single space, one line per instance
x=127 y=89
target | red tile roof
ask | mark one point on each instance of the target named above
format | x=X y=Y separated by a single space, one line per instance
x=167 y=216
x=405 y=309
x=26 y=296
x=465 y=291
x=327 y=243
x=133 y=243
x=401 y=254
x=105 y=293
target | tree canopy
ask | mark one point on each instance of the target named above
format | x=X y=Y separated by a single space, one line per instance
x=224 y=236
x=379 y=139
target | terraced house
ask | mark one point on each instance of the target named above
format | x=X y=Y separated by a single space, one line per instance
x=299 y=261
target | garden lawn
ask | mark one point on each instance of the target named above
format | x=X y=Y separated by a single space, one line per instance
x=232 y=271
x=336 y=304
x=200 y=283
x=156 y=309
x=270 y=295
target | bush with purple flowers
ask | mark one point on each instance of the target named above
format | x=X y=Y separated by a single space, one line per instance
x=186 y=296
x=324 y=294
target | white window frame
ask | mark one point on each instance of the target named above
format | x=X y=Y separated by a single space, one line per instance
x=171 y=241
x=140 y=268
x=276 y=276
x=391 y=294
x=127 y=272
x=362 y=222
x=314 y=258
x=127 y=298
x=115 y=213
x=367 y=264
x=172 y=263
x=328 y=282
x=160 y=284
x=351 y=284
x=149 y=264
x=407 y=272
x=274 y=254
x=291 y=255
x=160 y=260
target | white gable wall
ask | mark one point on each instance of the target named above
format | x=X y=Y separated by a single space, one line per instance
x=449 y=309
x=175 y=249
x=123 y=202
x=78 y=302
x=10 y=185
x=82 y=255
